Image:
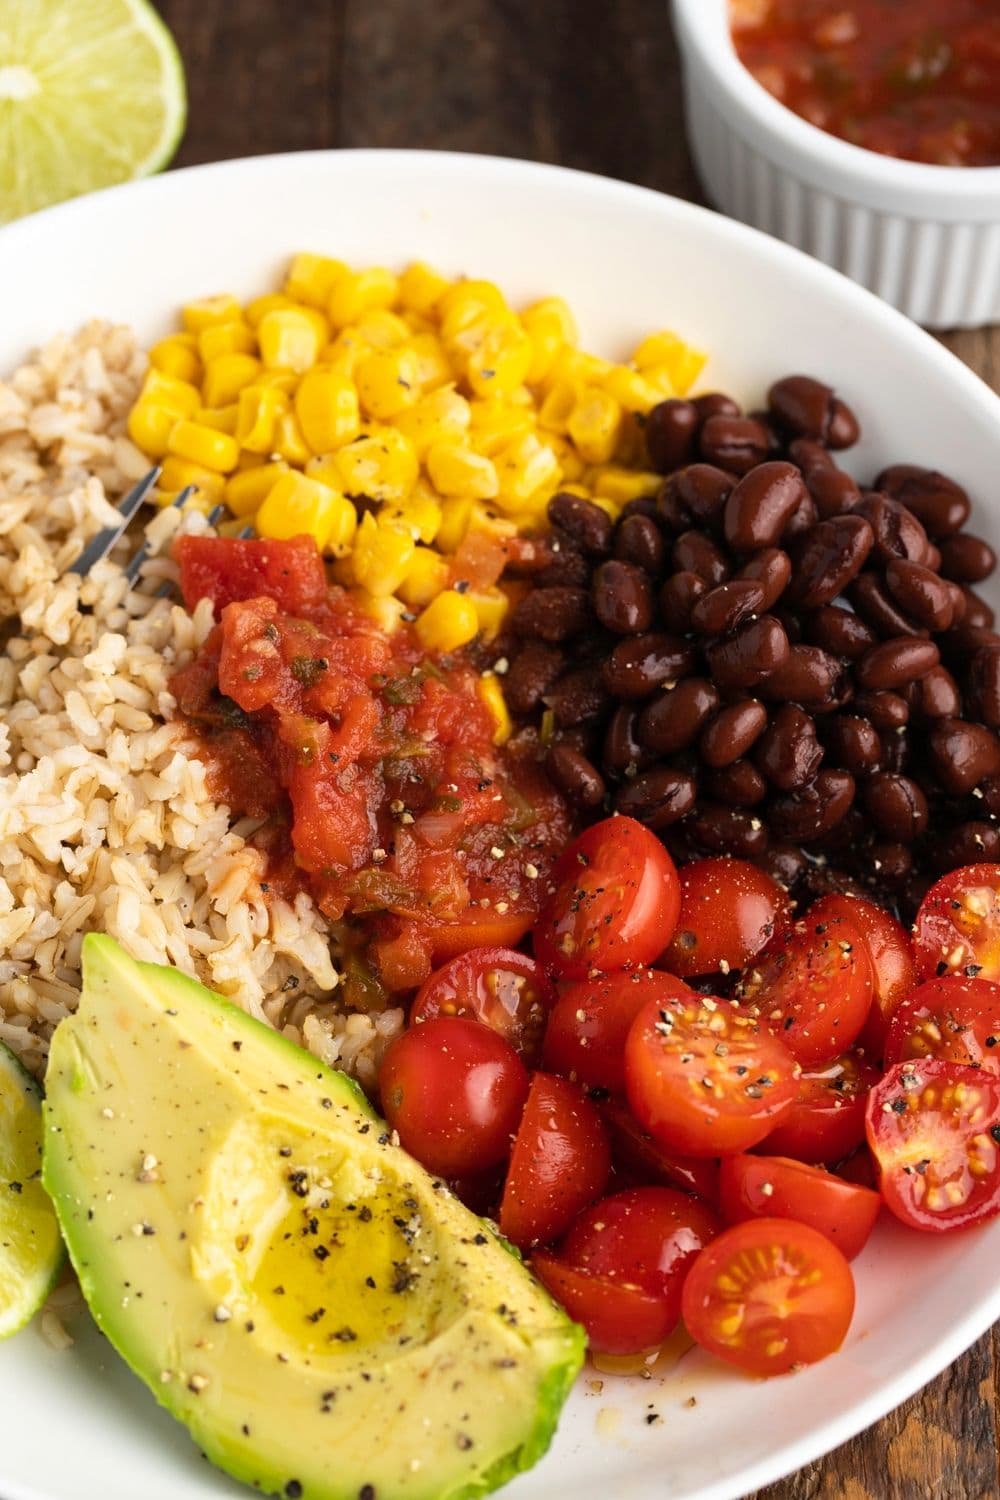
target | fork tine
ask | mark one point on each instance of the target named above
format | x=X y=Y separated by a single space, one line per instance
x=215 y=515
x=99 y=546
x=135 y=563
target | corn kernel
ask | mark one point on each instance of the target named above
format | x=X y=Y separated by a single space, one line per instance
x=594 y=425
x=279 y=380
x=557 y=406
x=149 y=426
x=343 y=528
x=550 y=325
x=611 y=482
x=495 y=423
x=297 y=506
x=420 y=514
x=261 y=306
x=326 y=405
x=258 y=411
x=226 y=338
x=433 y=365
x=345 y=353
x=448 y=622
x=177 y=356
x=466 y=301
x=502 y=360
x=577 y=367
x=320 y=322
x=383 y=550
x=178 y=396
x=483 y=518
x=201 y=501
x=311 y=278
x=222 y=418
x=631 y=388
x=208 y=310
x=381 y=329
x=379 y=463
x=247 y=490
x=457 y=471
x=491 y=606
x=421 y=288
x=248 y=460
x=455 y=517
x=289 y=443
x=441 y=416
x=665 y=357
x=524 y=468
x=177 y=473
x=226 y=375
x=388 y=381
x=358 y=292
x=206 y=446
x=425 y=577
x=288 y=340
x=491 y=694
x=384 y=609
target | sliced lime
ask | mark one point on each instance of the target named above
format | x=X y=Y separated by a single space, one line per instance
x=31 y=1251
x=91 y=93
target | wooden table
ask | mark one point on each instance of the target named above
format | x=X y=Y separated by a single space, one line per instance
x=588 y=84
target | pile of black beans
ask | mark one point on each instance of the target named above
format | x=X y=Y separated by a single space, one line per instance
x=767 y=659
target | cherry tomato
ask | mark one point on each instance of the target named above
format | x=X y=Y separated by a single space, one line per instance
x=954 y=1018
x=480 y=929
x=762 y=1187
x=934 y=1130
x=703 y=1078
x=619 y=1318
x=585 y=1038
x=957 y=930
x=636 y=1155
x=827 y=1120
x=894 y=972
x=454 y=1090
x=769 y=1295
x=647 y=1237
x=498 y=986
x=614 y=901
x=560 y=1163
x=860 y=1167
x=729 y=913
x=814 y=989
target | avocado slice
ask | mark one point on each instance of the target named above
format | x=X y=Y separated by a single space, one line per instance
x=322 y=1314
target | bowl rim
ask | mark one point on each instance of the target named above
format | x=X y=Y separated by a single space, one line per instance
x=703 y=29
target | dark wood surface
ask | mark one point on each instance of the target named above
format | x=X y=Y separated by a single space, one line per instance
x=588 y=84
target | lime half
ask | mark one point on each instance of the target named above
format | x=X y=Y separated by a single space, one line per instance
x=91 y=93
x=31 y=1252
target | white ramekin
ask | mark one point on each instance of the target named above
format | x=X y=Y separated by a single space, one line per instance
x=925 y=238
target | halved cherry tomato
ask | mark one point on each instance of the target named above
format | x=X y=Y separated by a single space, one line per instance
x=761 y=1187
x=647 y=1237
x=585 y=1037
x=636 y=1155
x=560 y=1163
x=504 y=989
x=934 y=1130
x=957 y=930
x=620 y=1318
x=827 y=1120
x=814 y=989
x=614 y=901
x=894 y=972
x=953 y=1018
x=705 y=1079
x=769 y=1295
x=730 y=911
x=454 y=1090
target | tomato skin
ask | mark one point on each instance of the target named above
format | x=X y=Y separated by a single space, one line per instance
x=587 y=1030
x=934 y=1131
x=704 y=1079
x=231 y=569
x=619 y=1318
x=454 y=1090
x=644 y=1236
x=894 y=970
x=560 y=1163
x=827 y=1120
x=614 y=901
x=761 y=1187
x=500 y=987
x=478 y=929
x=730 y=911
x=953 y=1018
x=745 y=1271
x=636 y=1155
x=958 y=925
x=814 y=988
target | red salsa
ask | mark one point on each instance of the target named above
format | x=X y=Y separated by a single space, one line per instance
x=371 y=762
x=918 y=79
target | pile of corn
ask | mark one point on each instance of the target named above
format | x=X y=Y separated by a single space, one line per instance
x=430 y=397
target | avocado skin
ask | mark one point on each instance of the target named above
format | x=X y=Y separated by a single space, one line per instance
x=121 y=1001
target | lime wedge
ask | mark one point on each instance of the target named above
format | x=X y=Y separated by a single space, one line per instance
x=31 y=1252
x=91 y=93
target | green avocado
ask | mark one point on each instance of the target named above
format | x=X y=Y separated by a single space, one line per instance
x=324 y=1316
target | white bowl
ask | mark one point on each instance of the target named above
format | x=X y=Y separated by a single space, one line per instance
x=77 y=1426
x=925 y=238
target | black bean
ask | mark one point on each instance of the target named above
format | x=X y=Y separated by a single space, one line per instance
x=734 y=443
x=807 y=408
x=552 y=615
x=576 y=776
x=748 y=656
x=622 y=598
x=530 y=675
x=894 y=663
x=725 y=607
x=738 y=785
x=677 y=598
x=640 y=664
x=577 y=697
x=814 y=811
x=694 y=552
x=771 y=568
x=984 y=685
x=788 y=752
x=884 y=710
x=966 y=558
x=671 y=432
x=877 y=608
x=920 y=593
x=622 y=755
x=588 y=525
x=896 y=531
x=657 y=798
x=760 y=506
x=675 y=718
x=639 y=541
x=721 y=829
x=938 y=502
x=962 y=754
x=852 y=743
x=896 y=805
x=938 y=696
x=811 y=677
x=715 y=404
x=839 y=631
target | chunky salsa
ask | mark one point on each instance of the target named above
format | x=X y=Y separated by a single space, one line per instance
x=370 y=762
x=918 y=79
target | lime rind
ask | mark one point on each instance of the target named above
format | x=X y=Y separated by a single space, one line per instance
x=31 y=1250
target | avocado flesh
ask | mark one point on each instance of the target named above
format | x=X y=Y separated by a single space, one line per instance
x=324 y=1316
